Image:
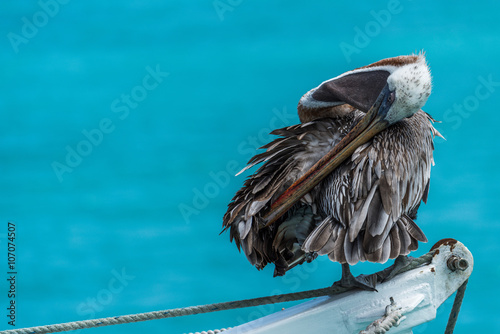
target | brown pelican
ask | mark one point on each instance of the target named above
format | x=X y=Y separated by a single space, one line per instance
x=347 y=181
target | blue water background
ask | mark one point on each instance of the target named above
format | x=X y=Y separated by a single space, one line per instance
x=146 y=200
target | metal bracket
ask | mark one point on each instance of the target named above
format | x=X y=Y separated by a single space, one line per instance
x=419 y=292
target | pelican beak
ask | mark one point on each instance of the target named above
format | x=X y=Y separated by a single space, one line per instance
x=372 y=123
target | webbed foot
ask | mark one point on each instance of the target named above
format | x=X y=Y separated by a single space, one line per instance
x=363 y=282
x=401 y=262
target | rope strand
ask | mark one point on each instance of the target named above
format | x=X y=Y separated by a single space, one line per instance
x=178 y=312
x=457 y=303
x=215 y=331
x=392 y=317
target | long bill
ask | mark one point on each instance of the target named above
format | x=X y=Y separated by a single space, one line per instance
x=371 y=124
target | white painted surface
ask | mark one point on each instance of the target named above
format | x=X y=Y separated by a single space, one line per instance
x=419 y=292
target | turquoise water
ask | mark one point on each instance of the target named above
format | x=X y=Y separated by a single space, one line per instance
x=123 y=123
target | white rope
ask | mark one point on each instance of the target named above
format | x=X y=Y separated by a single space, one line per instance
x=393 y=317
x=215 y=331
x=178 y=312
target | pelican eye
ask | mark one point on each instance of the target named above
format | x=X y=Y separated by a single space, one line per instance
x=391 y=97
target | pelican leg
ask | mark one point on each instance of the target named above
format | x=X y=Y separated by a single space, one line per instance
x=401 y=262
x=364 y=282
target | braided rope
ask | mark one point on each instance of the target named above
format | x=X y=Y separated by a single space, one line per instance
x=215 y=331
x=178 y=312
x=457 y=303
x=392 y=317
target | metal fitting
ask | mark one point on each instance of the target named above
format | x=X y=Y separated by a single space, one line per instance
x=457 y=263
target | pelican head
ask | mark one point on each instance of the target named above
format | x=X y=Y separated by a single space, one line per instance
x=406 y=78
x=411 y=86
x=387 y=91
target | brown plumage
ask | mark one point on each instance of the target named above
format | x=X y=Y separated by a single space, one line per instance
x=364 y=209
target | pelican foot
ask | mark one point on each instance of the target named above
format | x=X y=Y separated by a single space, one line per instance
x=311 y=257
x=401 y=262
x=363 y=282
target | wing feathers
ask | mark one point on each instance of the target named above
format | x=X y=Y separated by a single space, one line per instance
x=284 y=160
x=319 y=237
x=386 y=180
x=360 y=212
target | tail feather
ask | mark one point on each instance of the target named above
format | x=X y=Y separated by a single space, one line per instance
x=331 y=238
x=319 y=236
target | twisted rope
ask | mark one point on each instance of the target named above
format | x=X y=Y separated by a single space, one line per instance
x=392 y=317
x=215 y=331
x=179 y=312
x=457 y=303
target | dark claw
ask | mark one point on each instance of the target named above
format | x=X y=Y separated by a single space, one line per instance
x=311 y=256
x=400 y=263
x=363 y=282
